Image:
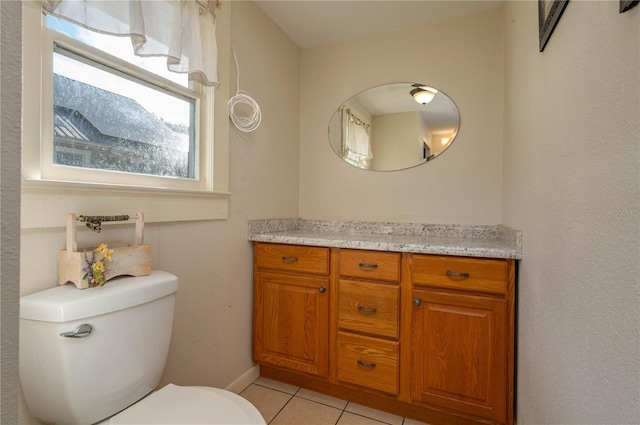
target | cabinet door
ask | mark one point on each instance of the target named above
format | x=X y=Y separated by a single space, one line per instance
x=458 y=346
x=291 y=327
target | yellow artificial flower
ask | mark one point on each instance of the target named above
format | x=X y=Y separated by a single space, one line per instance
x=96 y=269
x=105 y=251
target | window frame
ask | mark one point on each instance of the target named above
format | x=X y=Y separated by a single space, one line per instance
x=202 y=178
x=201 y=199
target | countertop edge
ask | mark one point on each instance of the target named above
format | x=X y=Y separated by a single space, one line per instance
x=460 y=240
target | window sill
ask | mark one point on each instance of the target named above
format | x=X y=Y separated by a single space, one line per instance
x=46 y=203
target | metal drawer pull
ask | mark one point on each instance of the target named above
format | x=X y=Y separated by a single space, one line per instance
x=457 y=274
x=367 y=309
x=290 y=259
x=368 y=266
x=322 y=289
x=367 y=365
x=80 y=332
x=417 y=301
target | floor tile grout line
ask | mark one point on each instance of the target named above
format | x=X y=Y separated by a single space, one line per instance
x=339 y=417
x=295 y=394
x=342 y=410
x=370 y=418
x=275 y=389
x=323 y=403
x=282 y=408
x=311 y=401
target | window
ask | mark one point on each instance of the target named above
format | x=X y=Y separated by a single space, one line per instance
x=125 y=126
x=356 y=140
x=101 y=124
x=124 y=117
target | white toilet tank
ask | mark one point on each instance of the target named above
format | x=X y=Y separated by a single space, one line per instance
x=85 y=376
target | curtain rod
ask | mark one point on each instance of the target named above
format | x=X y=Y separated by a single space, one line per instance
x=357 y=119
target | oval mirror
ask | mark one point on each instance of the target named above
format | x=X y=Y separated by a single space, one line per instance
x=394 y=126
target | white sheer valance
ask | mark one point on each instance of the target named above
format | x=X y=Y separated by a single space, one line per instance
x=181 y=30
x=357 y=143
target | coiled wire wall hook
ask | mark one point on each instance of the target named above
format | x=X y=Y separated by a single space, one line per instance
x=248 y=122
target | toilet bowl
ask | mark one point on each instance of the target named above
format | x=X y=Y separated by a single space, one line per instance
x=96 y=355
x=175 y=404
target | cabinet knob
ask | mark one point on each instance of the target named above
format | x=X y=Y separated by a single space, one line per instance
x=417 y=301
x=322 y=289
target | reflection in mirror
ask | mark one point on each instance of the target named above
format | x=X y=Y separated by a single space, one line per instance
x=394 y=126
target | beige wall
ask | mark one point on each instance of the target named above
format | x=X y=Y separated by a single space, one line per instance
x=461 y=57
x=211 y=343
x=571 y=184
x=569 y=180
x=264 y=184
x=396 y=140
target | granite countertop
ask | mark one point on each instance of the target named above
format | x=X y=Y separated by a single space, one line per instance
x=471 y=241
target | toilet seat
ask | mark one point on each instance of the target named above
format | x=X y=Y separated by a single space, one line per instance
x=175 y=404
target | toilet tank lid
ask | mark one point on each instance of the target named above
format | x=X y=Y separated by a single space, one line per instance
x=67 y=303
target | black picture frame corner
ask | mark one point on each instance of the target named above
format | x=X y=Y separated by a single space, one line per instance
x=549 y=13
x=628 y=4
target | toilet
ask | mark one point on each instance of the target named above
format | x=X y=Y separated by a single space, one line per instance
x=95 y=356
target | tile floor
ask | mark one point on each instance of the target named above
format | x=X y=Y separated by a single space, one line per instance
x=284 y=404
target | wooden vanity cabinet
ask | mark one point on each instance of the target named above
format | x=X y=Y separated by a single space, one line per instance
x=462 y=335
x=424 y=336
x=291 y=307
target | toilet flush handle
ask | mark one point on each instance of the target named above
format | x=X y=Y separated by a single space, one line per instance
x=79 y=332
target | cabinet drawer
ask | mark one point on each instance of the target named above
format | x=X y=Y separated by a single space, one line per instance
x=303 y=259
x=368 y=307
x=370 y=264
x=487 y=275
x=369 y=362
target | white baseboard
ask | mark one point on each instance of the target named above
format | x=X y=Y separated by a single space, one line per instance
x=244 y=380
